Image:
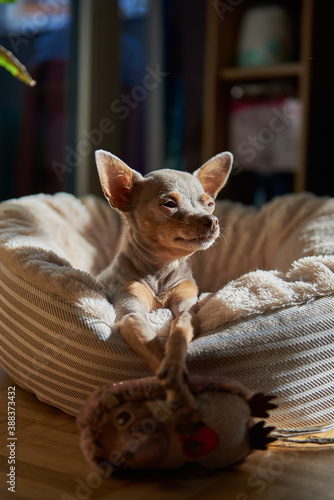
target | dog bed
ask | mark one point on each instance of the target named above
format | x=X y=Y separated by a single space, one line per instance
x=266 y=307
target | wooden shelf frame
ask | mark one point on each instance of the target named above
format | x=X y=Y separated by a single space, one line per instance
x=233 y=74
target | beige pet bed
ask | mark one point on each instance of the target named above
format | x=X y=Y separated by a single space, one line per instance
x=266 y=304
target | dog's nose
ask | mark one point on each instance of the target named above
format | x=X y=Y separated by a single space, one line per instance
x=210 y=221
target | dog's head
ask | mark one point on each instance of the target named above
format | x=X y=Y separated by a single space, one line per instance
x=167 y=210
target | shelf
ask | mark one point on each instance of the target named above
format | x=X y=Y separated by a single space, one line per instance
x=231 y=74
x=221 y=47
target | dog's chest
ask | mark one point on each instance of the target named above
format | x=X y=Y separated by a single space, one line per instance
x=168 y=278
x=161 y=284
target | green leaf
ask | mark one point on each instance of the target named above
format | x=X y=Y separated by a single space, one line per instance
x=13 y=65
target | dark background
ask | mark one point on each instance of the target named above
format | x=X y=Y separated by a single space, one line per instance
x=36 y=124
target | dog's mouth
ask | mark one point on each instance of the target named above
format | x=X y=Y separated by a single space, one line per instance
x=198 y=239
x=202 y=240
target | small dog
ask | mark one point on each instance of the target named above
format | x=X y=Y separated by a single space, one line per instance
x=168 y=216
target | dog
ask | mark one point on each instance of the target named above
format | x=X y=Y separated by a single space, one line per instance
x=168 y=216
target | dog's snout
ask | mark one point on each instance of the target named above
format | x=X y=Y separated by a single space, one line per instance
x=210 y=221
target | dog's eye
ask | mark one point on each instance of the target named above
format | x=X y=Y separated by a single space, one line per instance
x=210 y=204
x=169 y=204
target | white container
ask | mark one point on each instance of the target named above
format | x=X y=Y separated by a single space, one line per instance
x=265 y=36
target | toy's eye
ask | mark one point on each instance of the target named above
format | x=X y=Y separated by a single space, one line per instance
x=123 y=418
x=170 y=204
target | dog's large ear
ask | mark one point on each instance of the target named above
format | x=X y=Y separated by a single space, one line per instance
x=214 y=173
x=118 y=181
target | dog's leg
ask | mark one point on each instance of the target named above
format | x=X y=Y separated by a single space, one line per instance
x=172 y=371
x=140 y=336
x=135 y=328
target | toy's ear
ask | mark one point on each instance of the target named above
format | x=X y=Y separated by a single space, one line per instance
x=117 y=180
x=214 y=173
x=110 y=400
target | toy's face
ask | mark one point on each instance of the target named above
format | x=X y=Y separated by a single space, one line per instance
x=133 y=438
x=142 y=435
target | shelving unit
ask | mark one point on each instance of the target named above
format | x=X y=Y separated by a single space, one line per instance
x=221 y=74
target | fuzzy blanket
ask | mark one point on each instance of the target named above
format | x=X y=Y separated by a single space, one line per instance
x=278 y=256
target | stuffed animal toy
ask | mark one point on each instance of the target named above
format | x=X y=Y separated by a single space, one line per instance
x=129 y=425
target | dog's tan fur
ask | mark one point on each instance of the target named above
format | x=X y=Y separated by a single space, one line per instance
x=168 y=216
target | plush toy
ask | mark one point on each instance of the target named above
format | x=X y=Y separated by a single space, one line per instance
x=129 y=425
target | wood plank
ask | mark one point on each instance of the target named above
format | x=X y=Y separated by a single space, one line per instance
x=237 y=74
x=50 y=466
x=305 y=91
x=210 y=84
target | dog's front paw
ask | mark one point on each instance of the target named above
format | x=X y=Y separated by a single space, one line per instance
x=173 y=377
x=172 y=373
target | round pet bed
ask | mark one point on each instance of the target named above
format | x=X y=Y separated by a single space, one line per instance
x=266 y=306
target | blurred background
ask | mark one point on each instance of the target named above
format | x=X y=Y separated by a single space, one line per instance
x=168 y=84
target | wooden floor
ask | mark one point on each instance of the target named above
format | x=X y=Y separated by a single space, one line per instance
x=49 y=465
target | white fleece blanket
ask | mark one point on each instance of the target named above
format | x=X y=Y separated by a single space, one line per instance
x=278 y=256
x=275 y=257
